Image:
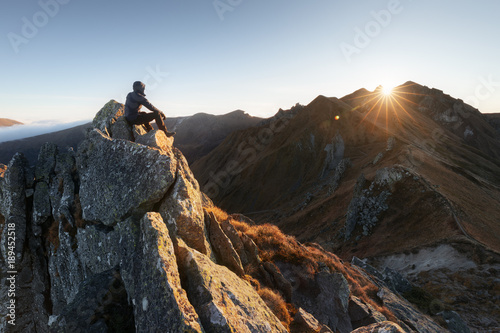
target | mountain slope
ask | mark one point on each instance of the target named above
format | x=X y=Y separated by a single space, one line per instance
x=373 y=176
x=298 y=163
x=199 y=134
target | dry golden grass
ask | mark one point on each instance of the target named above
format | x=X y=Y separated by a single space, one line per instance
x=253 y=282
x=220 y=215
x=277 y=305
x=275 y=246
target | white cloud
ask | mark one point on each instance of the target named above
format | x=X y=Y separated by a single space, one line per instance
x=17 y=132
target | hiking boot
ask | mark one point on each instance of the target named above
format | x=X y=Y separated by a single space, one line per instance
x=169 y=134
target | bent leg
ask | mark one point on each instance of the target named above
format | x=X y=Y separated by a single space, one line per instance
x=159 y=122
x=144 y=118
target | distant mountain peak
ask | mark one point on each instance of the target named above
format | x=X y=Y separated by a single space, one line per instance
x=5 y=122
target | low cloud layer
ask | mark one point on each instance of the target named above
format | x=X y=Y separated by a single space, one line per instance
x=17 y=132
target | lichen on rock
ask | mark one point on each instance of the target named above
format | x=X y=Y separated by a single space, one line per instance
x=120 y=178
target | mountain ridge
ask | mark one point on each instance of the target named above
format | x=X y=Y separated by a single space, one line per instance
x=383 y=176
x=115 y=236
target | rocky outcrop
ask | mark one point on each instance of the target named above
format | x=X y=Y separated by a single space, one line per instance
x=224 y=302
x=118 y=178
x=410 y=318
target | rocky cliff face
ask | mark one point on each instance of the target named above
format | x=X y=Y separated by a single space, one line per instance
x=119 y=238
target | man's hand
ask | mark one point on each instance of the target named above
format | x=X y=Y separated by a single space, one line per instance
x=162 y=115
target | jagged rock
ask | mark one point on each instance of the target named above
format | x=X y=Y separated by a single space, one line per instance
x=111 y=121
x=410 y=317
x=326 y=296
x=46 y=162
x=145 y=256
x=251 y=250
x=236 y=241
x=391 y=141
x=334 y=154
x=65 y=270
x=224 y=302
x=333 y=301
x=362 y=314
x=156 y=139
x=339 y=174
x=367 y=267
x=365 y=207
x=279 y=280
x=62 y=188
x=44 y=172
x=41 y=206
x=388 y=176
x=392 y=279
x=13 y=204
x=100 y=305
x=182 y=209
x=121 y=129
x=100 y=249
x=305 y=322
x=222 y=245
x=119 y=178
x=107 y=116
x=32 y=285
x=383 y=327
x=378 y=158
x=397 y=282
x=153 y=283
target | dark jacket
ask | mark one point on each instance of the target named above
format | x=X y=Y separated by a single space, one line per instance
x=135 y=100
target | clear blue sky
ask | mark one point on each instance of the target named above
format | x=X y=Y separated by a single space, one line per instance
x=254 y=55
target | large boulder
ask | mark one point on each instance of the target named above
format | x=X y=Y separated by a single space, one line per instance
x=225 y=252
x=182 y=209
x=156 y=139
x=108 y=116
x=143 y=253
x=332 y=301
x=224 y=302
x=153 y=283
x=120 y=178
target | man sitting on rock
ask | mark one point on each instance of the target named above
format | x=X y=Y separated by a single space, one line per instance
x=134 y=116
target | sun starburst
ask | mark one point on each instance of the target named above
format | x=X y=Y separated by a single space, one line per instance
x=386 y=104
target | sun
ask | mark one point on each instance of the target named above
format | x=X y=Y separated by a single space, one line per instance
x=387 y=90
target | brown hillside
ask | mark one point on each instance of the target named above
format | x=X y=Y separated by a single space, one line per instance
x=445 y=152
